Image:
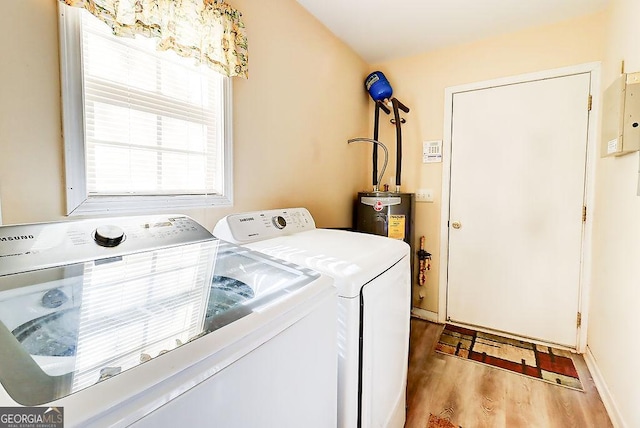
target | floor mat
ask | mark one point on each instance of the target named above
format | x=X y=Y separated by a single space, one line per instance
x=540 y=362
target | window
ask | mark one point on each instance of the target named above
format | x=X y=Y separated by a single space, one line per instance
x=143 y=130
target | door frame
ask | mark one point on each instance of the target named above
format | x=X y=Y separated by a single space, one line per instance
x=584 y=285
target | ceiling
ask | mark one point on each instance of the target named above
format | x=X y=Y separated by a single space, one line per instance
x=380 y=30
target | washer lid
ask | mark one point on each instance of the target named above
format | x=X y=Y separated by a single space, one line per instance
x=69 y=327
x=351 y=258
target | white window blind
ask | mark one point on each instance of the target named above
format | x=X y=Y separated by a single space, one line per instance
x=151 y=122
x=156 y=126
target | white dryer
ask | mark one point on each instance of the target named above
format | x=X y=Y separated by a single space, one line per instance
x=373 y=278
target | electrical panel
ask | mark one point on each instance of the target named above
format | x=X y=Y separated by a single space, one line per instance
x=621 y=116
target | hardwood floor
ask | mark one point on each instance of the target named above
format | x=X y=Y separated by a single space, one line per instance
x=472 y=395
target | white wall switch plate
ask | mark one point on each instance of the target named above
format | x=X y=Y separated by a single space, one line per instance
x=424 y=195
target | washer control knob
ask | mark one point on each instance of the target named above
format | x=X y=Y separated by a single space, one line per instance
x=108 y=236
x=279 y=222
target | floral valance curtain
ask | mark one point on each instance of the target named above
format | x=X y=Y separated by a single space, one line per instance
x=210 y=31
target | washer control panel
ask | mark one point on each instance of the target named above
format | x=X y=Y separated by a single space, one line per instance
x=29 y=247
x=259 y=225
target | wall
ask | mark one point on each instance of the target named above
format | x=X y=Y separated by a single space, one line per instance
x=420 y=82
x=615 y=299
x=292 y=117
x=303 y=100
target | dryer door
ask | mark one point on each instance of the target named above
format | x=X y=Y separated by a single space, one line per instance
x=385 y=347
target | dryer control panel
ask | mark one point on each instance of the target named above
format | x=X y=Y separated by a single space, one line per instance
x=259 y=225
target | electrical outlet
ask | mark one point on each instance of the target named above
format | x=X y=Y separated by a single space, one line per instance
x=424 y=195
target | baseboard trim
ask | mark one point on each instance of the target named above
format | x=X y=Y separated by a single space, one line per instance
x=423 y=314
x=603 y=390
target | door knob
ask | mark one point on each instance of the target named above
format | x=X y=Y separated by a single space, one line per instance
x=456 y=225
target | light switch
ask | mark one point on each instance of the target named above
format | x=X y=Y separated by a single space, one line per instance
x=424 y=195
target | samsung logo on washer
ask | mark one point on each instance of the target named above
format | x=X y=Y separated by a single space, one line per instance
x=247 y=219
x=16 y=238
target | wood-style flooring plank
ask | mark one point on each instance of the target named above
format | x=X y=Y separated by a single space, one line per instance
x=472 y=395
x=526 y=405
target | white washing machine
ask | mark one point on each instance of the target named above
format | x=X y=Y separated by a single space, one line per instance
x=373 y=278
x=152 y=322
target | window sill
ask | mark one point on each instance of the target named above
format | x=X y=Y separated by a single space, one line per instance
x=102 y=205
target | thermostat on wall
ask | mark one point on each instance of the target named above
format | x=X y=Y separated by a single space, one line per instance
x=432 y=151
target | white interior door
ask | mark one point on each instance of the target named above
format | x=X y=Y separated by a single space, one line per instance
x=518 y=155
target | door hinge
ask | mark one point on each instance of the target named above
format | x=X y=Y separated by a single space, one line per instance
x=590 y=103
x=579 y=320
x=584 y=213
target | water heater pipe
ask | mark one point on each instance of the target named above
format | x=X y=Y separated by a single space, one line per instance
x=376 y=124
x=376 y=186
x=424 y=263
x=398 y=122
